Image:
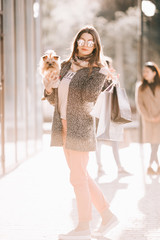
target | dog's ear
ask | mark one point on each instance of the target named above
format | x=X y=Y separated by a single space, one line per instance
x=56 y=58
x=45 y=57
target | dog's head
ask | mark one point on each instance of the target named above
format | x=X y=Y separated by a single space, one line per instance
x=50 y=61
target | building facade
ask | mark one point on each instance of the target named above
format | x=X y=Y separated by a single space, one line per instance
x=20 y=84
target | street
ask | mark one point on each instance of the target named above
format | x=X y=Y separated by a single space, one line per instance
x=37 y=201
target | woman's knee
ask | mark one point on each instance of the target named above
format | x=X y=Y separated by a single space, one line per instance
x=78 y=179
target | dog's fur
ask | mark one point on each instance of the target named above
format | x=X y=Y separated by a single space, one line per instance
x=50 y=65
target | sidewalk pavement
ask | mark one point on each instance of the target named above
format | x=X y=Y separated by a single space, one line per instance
x=37 y=201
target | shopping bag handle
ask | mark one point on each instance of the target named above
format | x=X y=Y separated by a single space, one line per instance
x=111 y=86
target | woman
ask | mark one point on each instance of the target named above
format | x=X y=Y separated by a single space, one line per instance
x=82 y=78
x=148 y=103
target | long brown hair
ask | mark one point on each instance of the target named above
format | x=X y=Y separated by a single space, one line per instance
x=97 y=55
x=153 y=66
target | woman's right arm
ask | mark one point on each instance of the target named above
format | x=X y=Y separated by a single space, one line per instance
x=49 y=88
x=49 y=92
x=50 y=97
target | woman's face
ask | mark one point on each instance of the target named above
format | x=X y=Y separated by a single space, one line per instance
x=85 y=45
x=148 y=74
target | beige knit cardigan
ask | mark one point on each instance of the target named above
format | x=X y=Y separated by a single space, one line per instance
x=148 y=105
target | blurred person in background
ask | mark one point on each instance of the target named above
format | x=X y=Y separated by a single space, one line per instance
x=114 y=144
x=82 y=78
x=148 y=104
